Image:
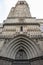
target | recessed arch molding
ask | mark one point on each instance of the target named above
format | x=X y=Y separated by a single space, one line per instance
x=21 y=42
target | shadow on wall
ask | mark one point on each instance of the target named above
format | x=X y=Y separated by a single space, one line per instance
x=34 y=61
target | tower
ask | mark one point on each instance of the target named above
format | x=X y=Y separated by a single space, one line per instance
x=21 y=37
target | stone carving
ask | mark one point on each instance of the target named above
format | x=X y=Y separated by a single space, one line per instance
x=20 y=34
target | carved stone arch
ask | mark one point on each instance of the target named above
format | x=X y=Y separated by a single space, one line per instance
x=27 y=50
x=29 y=46
x=21 y=54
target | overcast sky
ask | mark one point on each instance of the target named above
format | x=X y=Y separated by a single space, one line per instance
x=36 y=8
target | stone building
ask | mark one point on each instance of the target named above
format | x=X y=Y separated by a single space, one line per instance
x=20 y=34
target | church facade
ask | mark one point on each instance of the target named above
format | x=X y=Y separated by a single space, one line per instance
x=20 y=34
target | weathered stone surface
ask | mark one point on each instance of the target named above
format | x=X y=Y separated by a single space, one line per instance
x=21 y=31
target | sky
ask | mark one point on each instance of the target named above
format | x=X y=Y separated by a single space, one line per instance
x=36 y=8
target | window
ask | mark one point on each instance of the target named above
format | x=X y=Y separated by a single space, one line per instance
x=21 y=29
x=21 y=2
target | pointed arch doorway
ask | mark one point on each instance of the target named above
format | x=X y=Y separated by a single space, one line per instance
x=21 y=55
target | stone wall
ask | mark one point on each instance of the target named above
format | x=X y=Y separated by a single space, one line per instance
x=35 y=61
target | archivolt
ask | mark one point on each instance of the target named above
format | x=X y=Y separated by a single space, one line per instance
x=22 y=42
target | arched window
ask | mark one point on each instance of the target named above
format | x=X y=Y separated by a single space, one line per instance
x=21 y=28
x=21 y=54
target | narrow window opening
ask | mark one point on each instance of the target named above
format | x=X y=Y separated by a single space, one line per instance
x=21 y=28
x=21 y=2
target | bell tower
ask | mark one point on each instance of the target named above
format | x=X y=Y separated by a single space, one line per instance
x=20 y=10
x=21 y=34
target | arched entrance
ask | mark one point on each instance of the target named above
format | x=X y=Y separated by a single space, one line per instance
x=21 y=54
x=19 y=45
